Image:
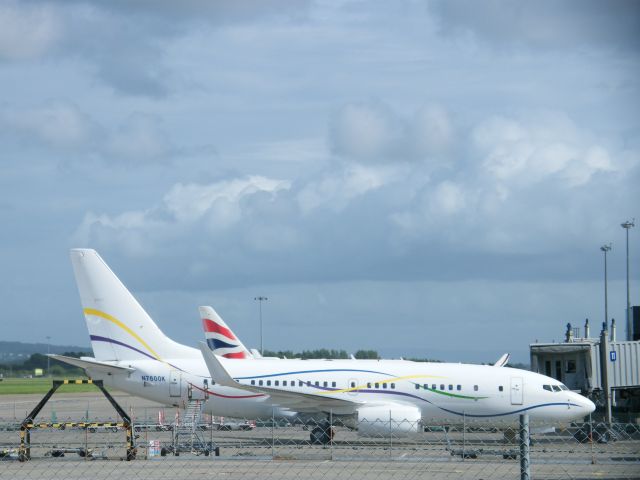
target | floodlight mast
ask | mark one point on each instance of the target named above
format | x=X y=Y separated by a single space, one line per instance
x=605 y=249
x=627 y=225
x=261 y=299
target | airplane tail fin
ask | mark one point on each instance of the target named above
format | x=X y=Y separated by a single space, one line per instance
x=221 y=340
x=119 y=328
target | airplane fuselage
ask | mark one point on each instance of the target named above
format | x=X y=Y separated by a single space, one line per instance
x=443 y=392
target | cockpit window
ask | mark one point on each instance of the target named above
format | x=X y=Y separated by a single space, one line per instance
x=547 y=387
x=556 y=388
x=563 y=387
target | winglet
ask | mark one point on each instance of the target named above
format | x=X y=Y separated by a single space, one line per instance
x=218 y=373
x=502 y=361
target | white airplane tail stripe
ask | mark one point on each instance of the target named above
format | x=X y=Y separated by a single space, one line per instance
x=119 y=327
x=220 y=339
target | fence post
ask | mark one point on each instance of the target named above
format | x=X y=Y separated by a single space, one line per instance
x=464 y=434
x=390 y=433
x=273 y=426
x=524 y=447
x=331 y=433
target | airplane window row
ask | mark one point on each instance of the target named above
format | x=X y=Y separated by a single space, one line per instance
x=442 y=387
x=301 y=383
x=291 y=383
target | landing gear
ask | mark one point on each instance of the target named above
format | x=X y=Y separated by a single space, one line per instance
x=322 y=434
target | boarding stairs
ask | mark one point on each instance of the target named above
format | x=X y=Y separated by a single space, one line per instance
x=187 y=435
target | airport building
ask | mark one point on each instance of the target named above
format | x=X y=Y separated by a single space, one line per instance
x=578 y=363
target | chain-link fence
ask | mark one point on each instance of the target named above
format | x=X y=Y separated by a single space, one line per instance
x=298 y=447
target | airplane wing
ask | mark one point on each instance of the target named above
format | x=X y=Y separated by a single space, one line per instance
x=92 y=363
x=502 y=361
x=298 y=401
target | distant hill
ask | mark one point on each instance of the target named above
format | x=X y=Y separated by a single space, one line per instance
x=18 y=351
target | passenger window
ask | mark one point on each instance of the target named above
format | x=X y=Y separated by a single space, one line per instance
x=475 y=388
x=384 y=385
x=276 y=383
x=368 y=384
x=500 y=388
x=268 y=383
x=417 y=386
x=377 y=385
x=333 y=384
x=317 y=383
x=353 y=384
x=442 y=386
x=260 y=382
x=253 y=382
x=459 y=387
x=450 y=387
x=393 y=385
x=300 y=383
x=325 y=384
x=284 y=383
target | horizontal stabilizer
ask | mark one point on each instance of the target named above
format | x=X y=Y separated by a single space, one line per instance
x=92 y=363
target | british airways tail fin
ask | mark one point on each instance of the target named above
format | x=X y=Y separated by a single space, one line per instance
x=220 y=339
x=119 y=328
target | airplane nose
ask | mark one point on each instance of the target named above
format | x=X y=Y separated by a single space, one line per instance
x=589 y=406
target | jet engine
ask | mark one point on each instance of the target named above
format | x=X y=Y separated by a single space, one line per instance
x=386 y=420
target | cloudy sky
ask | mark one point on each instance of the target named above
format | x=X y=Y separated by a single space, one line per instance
x=423 y=178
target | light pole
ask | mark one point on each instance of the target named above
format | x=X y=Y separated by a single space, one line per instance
x=48 y=352
x=605 y=249
x=627 y=225
x=261 y=299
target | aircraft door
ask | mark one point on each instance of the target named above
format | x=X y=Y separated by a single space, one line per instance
x=174 y=383
x=516 y=391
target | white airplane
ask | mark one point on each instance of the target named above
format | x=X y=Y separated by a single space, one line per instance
x=133 y=355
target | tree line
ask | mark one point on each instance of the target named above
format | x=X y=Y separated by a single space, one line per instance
x=38 y=360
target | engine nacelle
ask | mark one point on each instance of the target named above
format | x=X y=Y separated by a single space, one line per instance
x=383 y=421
